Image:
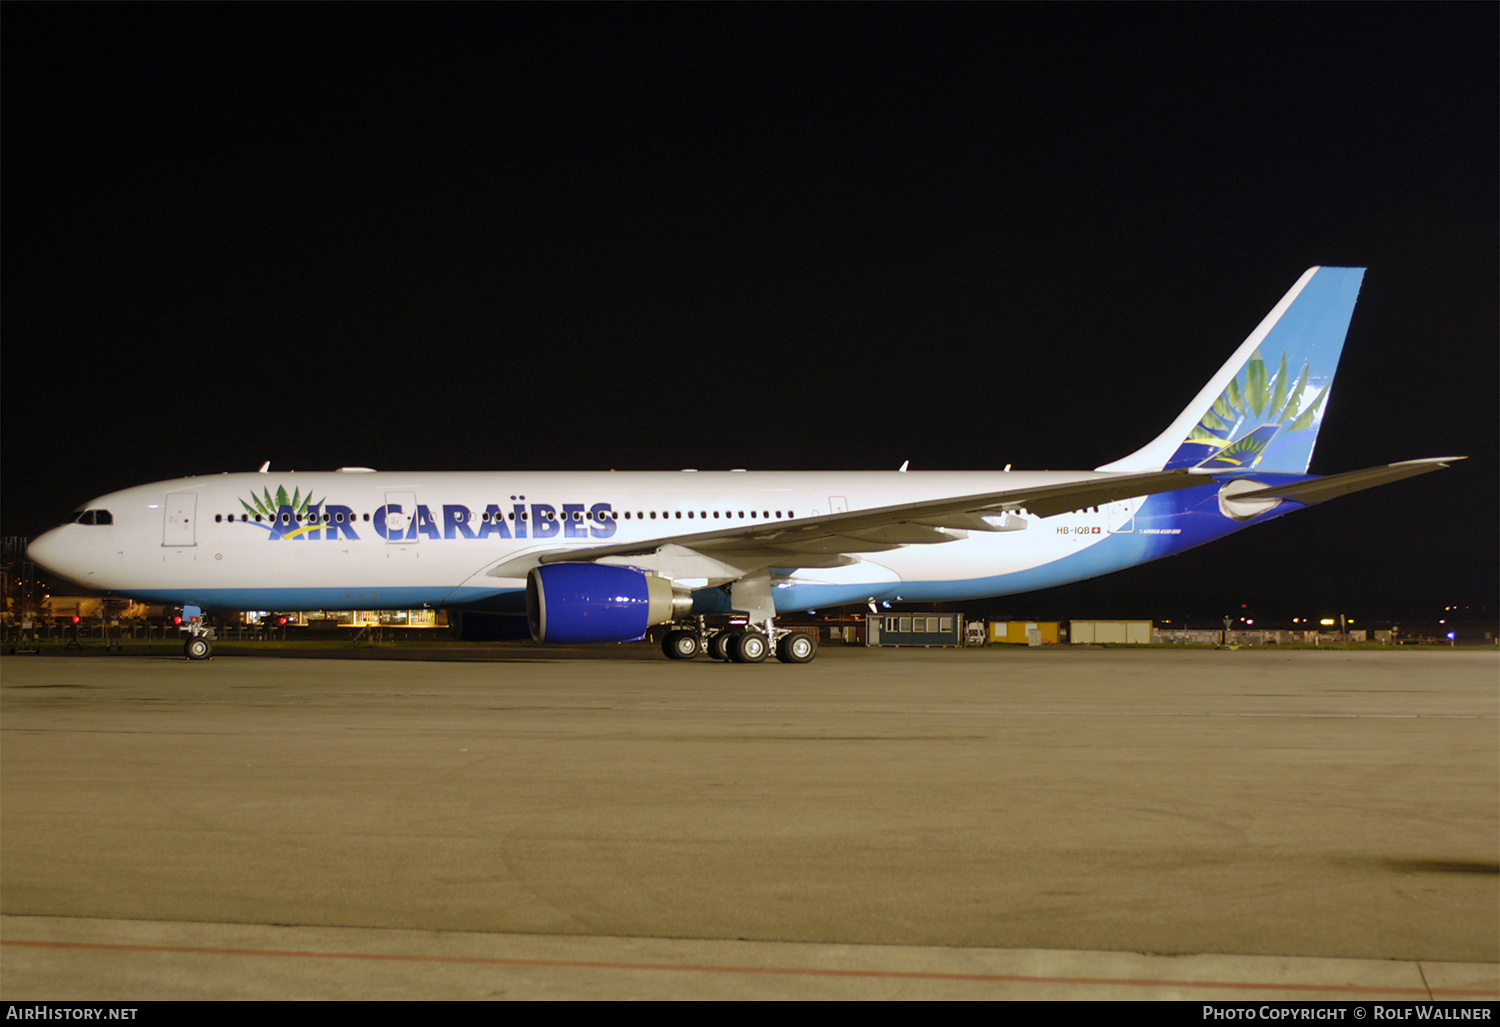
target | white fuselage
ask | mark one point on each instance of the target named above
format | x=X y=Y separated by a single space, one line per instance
x=368 y=540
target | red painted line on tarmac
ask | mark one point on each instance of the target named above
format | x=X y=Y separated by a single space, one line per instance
x=572 y=964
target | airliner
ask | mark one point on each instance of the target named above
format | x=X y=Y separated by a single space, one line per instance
x=715 y=556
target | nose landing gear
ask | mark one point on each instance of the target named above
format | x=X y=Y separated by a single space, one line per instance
x=198 y=647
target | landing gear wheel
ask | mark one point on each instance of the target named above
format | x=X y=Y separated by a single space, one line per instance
x=718 y=645
x=750 y=647
x=797 y=647
x=198 y=648
x=680 y=645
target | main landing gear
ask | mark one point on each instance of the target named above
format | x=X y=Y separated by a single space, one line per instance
x=741 y=644
x=748 y=643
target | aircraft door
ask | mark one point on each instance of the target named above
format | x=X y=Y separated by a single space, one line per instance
x=1121 y=516
x=181 y=515
x=400 y=515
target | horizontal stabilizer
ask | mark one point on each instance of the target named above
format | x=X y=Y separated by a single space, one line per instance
x=1317 y=490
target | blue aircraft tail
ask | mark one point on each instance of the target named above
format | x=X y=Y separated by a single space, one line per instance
x=1262 y=410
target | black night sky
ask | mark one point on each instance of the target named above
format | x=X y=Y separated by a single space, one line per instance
x=763 y=236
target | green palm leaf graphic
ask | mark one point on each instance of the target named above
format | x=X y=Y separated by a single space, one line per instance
x=1307 y=415
x=270 y=505
x=1211 y=422
x=1278 y=398
x=1295 y=399
x=1253 y=400
x=1256 y=388
x=1232 y=394
x=1246 y=447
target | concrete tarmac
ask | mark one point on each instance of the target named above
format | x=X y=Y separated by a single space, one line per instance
x=1063 y=822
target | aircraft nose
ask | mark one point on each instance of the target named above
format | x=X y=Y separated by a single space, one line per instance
x=53 y=551
x=43 y=548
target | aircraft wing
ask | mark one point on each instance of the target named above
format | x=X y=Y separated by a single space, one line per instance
x=802 y=540
x=1318 y=490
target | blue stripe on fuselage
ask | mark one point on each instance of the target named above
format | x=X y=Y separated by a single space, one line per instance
x=1166 y=523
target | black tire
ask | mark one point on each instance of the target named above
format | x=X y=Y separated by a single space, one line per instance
x=680 y=645
x=198 y=648
x=797 y=647
x=749 y=647
x=718 y=645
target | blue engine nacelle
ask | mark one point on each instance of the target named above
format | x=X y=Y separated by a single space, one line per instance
x=591 y=602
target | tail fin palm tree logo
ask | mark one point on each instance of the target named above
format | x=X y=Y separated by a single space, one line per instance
x=1252 y=410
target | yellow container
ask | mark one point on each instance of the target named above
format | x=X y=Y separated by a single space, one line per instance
x=1018 y=632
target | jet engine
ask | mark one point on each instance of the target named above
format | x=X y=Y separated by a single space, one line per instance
x=590 y=602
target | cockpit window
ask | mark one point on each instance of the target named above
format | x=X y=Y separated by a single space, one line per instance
x=94 y=517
